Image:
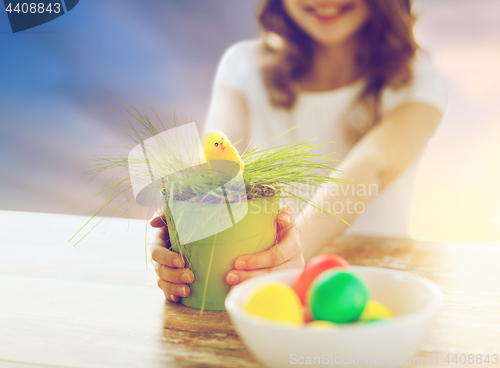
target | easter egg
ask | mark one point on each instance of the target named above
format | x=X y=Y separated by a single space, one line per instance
x=374 y=311
x=375 y=320
x=313 y=268
x=337 y=296
x=275 y=301
x=321 y=325
x=307 y=315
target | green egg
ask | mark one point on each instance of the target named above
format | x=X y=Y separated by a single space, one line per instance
x=376 y=320
x=337 y=296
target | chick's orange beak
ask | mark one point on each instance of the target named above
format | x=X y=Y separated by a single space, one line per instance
x=222 y=145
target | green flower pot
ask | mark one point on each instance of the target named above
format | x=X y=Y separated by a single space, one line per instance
x=212 y=257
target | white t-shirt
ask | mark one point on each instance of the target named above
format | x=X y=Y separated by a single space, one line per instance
x=321 y=118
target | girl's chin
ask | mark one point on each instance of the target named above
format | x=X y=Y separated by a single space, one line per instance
x=330 y=40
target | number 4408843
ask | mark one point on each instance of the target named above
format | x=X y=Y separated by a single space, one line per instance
x=34 y=8
x=471 y=359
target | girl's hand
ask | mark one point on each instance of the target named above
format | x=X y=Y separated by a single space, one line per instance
x=287 y=253
x=172 y=276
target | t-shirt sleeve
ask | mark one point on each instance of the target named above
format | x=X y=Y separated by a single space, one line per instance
x=237 y=68
x=427 y=86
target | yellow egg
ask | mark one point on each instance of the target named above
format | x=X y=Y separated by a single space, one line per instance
x=374 y=310
x=321 y=325
x=277 y=302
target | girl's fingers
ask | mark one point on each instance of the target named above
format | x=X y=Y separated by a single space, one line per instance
x=235 y=277
x=157 y=222
x=169 y=266
x=172 y=298
x=158 y=219
x=285 y=220
x=175 y=275
x=163 y=256
x=173 y=291
x=285 y=250
x=159 y=236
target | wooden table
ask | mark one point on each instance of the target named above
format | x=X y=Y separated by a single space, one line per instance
x=96 y=305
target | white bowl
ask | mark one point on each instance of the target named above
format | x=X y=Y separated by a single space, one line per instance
x=414 y=301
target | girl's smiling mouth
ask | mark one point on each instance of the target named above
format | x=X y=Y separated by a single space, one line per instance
x=327 y=12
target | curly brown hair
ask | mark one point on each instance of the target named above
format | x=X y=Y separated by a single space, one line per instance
x=388 y=45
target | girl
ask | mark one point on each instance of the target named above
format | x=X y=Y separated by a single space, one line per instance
x=347 y=71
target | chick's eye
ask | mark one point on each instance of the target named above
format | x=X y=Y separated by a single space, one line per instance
x=222 y=139
x=216 y=144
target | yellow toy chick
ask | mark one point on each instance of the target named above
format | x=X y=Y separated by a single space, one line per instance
x=216 y=146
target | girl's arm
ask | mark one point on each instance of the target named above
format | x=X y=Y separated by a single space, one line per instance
x=377 y=159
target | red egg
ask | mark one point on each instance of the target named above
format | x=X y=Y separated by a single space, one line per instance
x=307 y=315
x=313 y=269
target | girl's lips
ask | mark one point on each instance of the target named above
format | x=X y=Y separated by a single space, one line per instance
x=329 y=12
